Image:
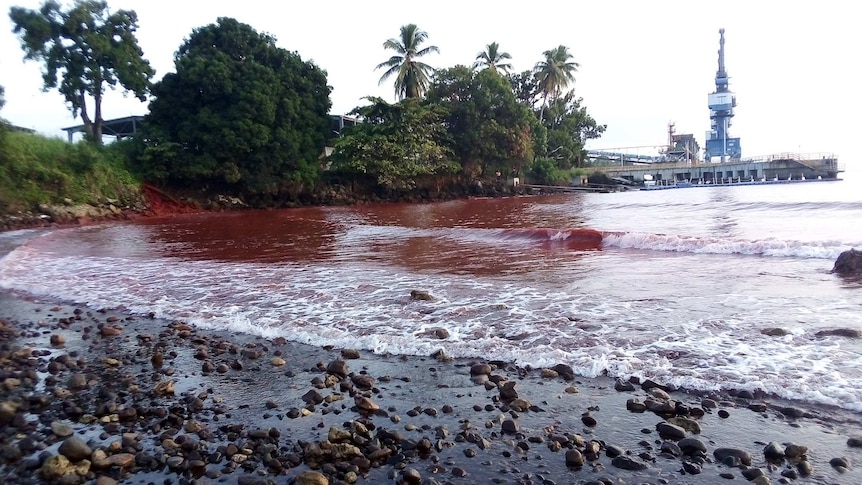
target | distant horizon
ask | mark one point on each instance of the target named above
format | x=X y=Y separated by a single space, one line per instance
x=792 y=75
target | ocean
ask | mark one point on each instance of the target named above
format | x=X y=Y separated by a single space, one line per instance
x=681 y=287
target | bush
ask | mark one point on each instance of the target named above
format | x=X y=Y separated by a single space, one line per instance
x=545 y=171
x=39 y=170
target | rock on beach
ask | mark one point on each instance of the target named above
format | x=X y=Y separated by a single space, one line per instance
x=101 y=411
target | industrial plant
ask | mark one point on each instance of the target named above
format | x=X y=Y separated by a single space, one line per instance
x=678 y=164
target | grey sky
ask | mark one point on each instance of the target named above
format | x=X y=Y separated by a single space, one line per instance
x=643 y=63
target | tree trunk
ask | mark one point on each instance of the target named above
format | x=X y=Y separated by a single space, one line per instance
x=542 y=111
x=85 y=117
x=97 y=123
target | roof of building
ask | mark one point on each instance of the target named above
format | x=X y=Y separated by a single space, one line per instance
x=118 y=127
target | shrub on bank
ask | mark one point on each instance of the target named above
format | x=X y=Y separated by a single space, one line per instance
x=35 y=170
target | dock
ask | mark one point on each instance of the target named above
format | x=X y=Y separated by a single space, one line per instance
x=566 y=189
x=773 y=168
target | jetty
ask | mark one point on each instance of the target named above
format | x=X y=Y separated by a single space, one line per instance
x=774 y=168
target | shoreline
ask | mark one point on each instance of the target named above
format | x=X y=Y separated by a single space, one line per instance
x=154 y=400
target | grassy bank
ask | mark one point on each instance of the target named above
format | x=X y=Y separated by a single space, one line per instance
x=39 y=170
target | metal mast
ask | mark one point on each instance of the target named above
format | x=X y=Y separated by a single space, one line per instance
x=721 y=104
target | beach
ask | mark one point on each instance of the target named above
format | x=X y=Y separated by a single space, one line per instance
x=154 y=401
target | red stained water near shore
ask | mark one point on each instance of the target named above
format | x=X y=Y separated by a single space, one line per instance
x=678 y=286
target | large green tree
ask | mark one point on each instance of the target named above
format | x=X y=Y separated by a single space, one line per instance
x=555 y=73
x=239 y=111
x=412 y=76
x=396 y=145
x=490 y=130
x=492 y=58
x=569 y=126
x=85 y=49
x=525 y=85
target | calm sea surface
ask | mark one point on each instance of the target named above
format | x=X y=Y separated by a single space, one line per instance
x=678 y=290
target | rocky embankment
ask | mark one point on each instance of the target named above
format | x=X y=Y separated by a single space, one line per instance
x=72 y=213
x=104 y=397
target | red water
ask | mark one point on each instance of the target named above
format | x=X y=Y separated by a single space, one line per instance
x=319 y=233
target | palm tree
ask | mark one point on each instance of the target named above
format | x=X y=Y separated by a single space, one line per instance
x=492 y=58
x=555 y=73
x=412 y=75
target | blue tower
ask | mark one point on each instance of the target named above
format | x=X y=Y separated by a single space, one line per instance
x=721 y=104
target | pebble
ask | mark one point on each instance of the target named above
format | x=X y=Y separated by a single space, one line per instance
x=75 y=449
x=670 y=431
x=743 y=456
x=61 y=429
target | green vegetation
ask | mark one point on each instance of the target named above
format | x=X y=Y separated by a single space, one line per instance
x=396 y=145
x=411 y=75
x=90 y=48
x=38 y=170
x=243 y=116
x=555 y=73
x=239 y=113
x=490 y=131
x=492 y=58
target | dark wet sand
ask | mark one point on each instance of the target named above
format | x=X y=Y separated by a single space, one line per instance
x=436 y=422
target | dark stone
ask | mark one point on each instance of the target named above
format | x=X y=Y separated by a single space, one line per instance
x=624 y=386
x=509 y=426
x=775 y=332
x=337 y=367
x=670 y=431
x=691 y=468
x=840 y=332
x=743 y=456
x=312 y=397
x=628 y=463
x=421 y=295
x=793 y=451
x=671 y=448
x=854 y=442
x=635 y=406
x=588 y=420
x=773 y=451
x=651 y=384
x=690 y=446
x=565 y=371
x=362 y=381
x=75 y=449
x=480 y=369
x=349 y=354
x=752 y=473
x=840 y=463
x=411 y=476
x=614 y=451
x=508 y=392
x=848 y=263
x=574 y=458
x=791 y=412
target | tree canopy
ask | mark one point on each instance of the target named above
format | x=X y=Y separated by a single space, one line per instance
x=569 y=126
x=489 y=129
x=238 y=111
x=396 y=144
x=555 y=73
x=412 y=76
x=84 y=49
x=492 y=58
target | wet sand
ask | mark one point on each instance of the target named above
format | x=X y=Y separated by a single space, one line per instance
x=97 y=395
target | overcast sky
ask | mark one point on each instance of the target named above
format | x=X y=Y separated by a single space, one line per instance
x=643 y=63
